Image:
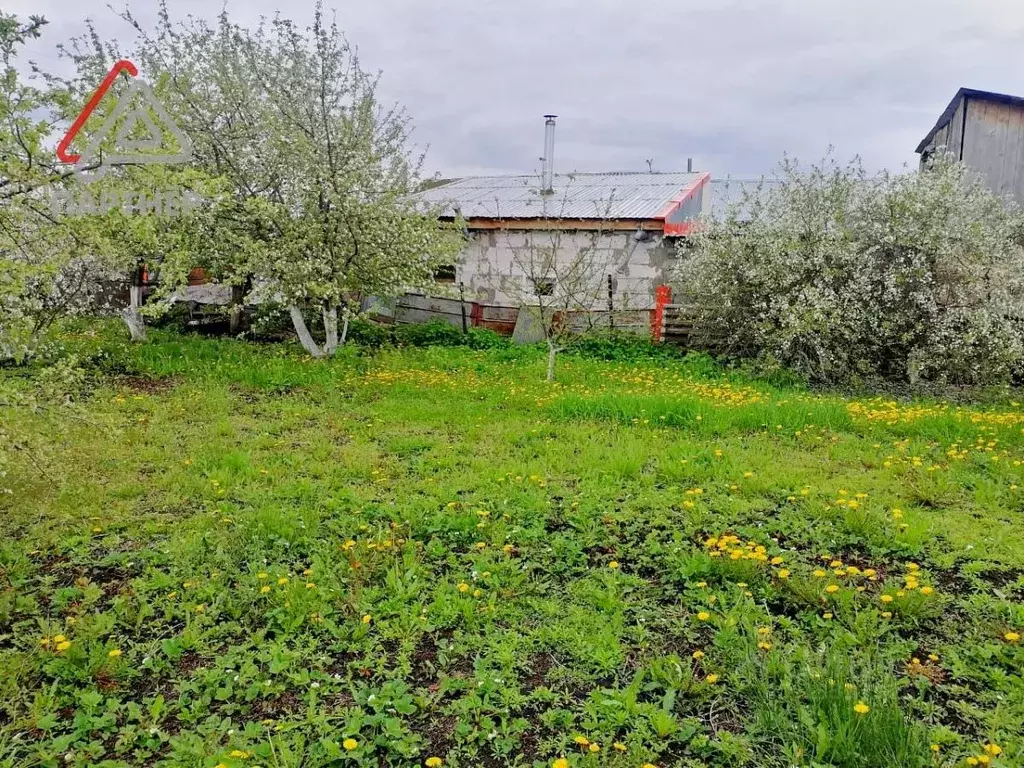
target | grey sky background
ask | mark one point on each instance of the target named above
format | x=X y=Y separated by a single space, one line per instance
x=733 y=84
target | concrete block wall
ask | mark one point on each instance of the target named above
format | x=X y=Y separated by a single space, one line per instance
x=490 y=264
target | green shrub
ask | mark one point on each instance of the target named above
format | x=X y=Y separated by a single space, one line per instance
x=366 y=333
x=438 y=333
x=621 y=345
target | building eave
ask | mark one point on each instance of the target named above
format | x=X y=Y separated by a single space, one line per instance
x=950 y=110
x=567 y=224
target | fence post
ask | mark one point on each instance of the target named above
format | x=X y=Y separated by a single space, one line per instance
x=611 y=305
x=462 y=305
x=662 y=296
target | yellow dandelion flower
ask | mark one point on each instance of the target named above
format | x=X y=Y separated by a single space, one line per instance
x=114 y=653
x=433 y=762
x=349 y=744
x=861 y=708
x=703 y=616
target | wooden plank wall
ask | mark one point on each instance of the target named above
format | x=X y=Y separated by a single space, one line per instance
x=994 y=145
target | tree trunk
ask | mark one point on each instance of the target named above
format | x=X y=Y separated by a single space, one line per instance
x=131 y=315
x=330 y=313
x=552 y=351
x=305 y=338
x=344 y=328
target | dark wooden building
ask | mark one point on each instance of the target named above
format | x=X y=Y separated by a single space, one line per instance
x=985 y=130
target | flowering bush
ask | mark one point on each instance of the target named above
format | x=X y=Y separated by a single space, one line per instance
x=840 y=276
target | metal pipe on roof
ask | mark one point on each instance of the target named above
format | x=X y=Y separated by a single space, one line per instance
x=548 y=168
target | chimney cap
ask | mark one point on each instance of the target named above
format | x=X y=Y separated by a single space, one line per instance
x=550 y=117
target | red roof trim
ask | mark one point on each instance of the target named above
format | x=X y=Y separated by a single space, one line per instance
x=681 y=228
x=674 y=204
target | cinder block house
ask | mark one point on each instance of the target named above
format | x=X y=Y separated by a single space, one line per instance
x=984 y=130
x=636 y=217
x=636 y=214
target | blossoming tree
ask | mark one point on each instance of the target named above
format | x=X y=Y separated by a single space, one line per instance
x=318 y=170
x=43 y=275
x=844 y=276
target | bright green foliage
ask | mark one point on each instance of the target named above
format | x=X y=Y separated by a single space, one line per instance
x=431 y=552
x=43 y=274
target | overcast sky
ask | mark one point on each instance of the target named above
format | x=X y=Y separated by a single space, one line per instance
x=732 y=84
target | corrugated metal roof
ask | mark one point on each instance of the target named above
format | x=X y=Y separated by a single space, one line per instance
x=971 y=93
x=576 y=196
x=727 y=194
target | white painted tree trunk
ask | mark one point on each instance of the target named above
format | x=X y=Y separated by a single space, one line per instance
x=344 y=328
x=330 y=329
x=305 y=337
x=552 y=352
x=132 y=316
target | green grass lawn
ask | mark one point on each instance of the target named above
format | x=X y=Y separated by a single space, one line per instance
x=241 y=557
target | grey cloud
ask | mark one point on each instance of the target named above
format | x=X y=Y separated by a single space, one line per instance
x=733 y=84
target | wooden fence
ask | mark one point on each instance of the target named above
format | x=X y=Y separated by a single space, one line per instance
x=413 y=308
x=676 y=326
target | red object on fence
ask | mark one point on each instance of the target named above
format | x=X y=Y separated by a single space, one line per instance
x=662 y=296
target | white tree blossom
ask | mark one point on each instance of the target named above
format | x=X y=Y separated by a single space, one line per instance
x=842 y=276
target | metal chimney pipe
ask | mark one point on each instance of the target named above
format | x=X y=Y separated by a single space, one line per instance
x=548 y=168
x=689 y=165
